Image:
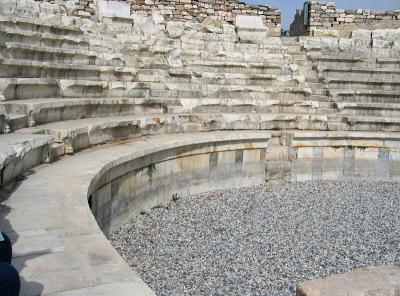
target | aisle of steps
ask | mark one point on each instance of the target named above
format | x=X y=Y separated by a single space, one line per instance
x=365 y=91
x=313 y=81
x=84 y=90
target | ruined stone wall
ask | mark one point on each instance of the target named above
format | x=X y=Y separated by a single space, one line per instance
x=81 y=8
x=184 y=10
x=325 y=19
x=297 y=28
x=198 y=10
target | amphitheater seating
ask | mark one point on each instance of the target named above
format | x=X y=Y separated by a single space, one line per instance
x=53 y=74
x=65 y=88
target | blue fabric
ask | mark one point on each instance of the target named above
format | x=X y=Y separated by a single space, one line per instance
x=1 y=237
x=10 y=283
x=5 y=250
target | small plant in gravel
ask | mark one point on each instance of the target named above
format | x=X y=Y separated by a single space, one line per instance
x=175 y=197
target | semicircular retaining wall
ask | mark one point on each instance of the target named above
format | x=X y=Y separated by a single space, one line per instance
x=125 y=190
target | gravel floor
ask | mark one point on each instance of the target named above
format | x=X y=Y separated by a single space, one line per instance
x=263 y=240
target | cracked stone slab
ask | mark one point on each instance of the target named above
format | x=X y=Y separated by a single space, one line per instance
x=370 y=281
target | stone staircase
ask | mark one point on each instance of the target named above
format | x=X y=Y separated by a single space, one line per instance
x=364 y=90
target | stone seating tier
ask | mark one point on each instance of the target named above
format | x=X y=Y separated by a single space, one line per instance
x=190 y=100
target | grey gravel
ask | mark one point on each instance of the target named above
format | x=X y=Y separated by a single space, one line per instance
x=263 y=240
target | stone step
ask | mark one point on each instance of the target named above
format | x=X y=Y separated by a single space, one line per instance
x=160 y=69
x=249 y=106
x=177 y=90
x=235 y=67
x=363 y=83
x=207 y=37
x=27 y=88
x=339 y=61
x=290 y=40
x=43 y=39
x=372 y=123
x=366 y=96
x=319 y=91
x=18 y=121
x=41 y=111
x=368 y=109
x=321 y=98
x=360 y=73
x=11 y=68
x=275 y=45
x=222 y=67
x=37 y=25
x=312 y=79
x=185 y=76
x=83 y=133
x=4 y=120
x=191 y=56
x=15 y=50
x=20 y=152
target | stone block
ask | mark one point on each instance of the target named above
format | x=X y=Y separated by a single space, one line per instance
x=326 y=33
x=253 y=23
x=27 y=8
x=213 y=26
x=114 y=9
x=372 y=281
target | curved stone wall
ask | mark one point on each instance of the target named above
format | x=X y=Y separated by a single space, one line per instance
x=127 y=189
x=306 y=156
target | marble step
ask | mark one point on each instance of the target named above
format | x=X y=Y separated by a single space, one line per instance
x=28 y=88
x=360 y=73
x=178 y=90
x=339 y=61
x=372 y=123
x=18 y=121
x=365 y=96
x=11 y=68
x=4 y=120
x=37 y=25
x=195 y=44
x=20 y=152
x=23 y=51
x=43 y=39
x=40 y=111
x=368 y=109
x=187 y=76
x=232 y=55
x=83 y=133
x=233 y=67
x=363 y=83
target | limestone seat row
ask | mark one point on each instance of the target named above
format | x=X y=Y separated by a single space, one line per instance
x=78 y=134
x=40 y=111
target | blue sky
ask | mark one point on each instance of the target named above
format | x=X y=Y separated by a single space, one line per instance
x=288 y=7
